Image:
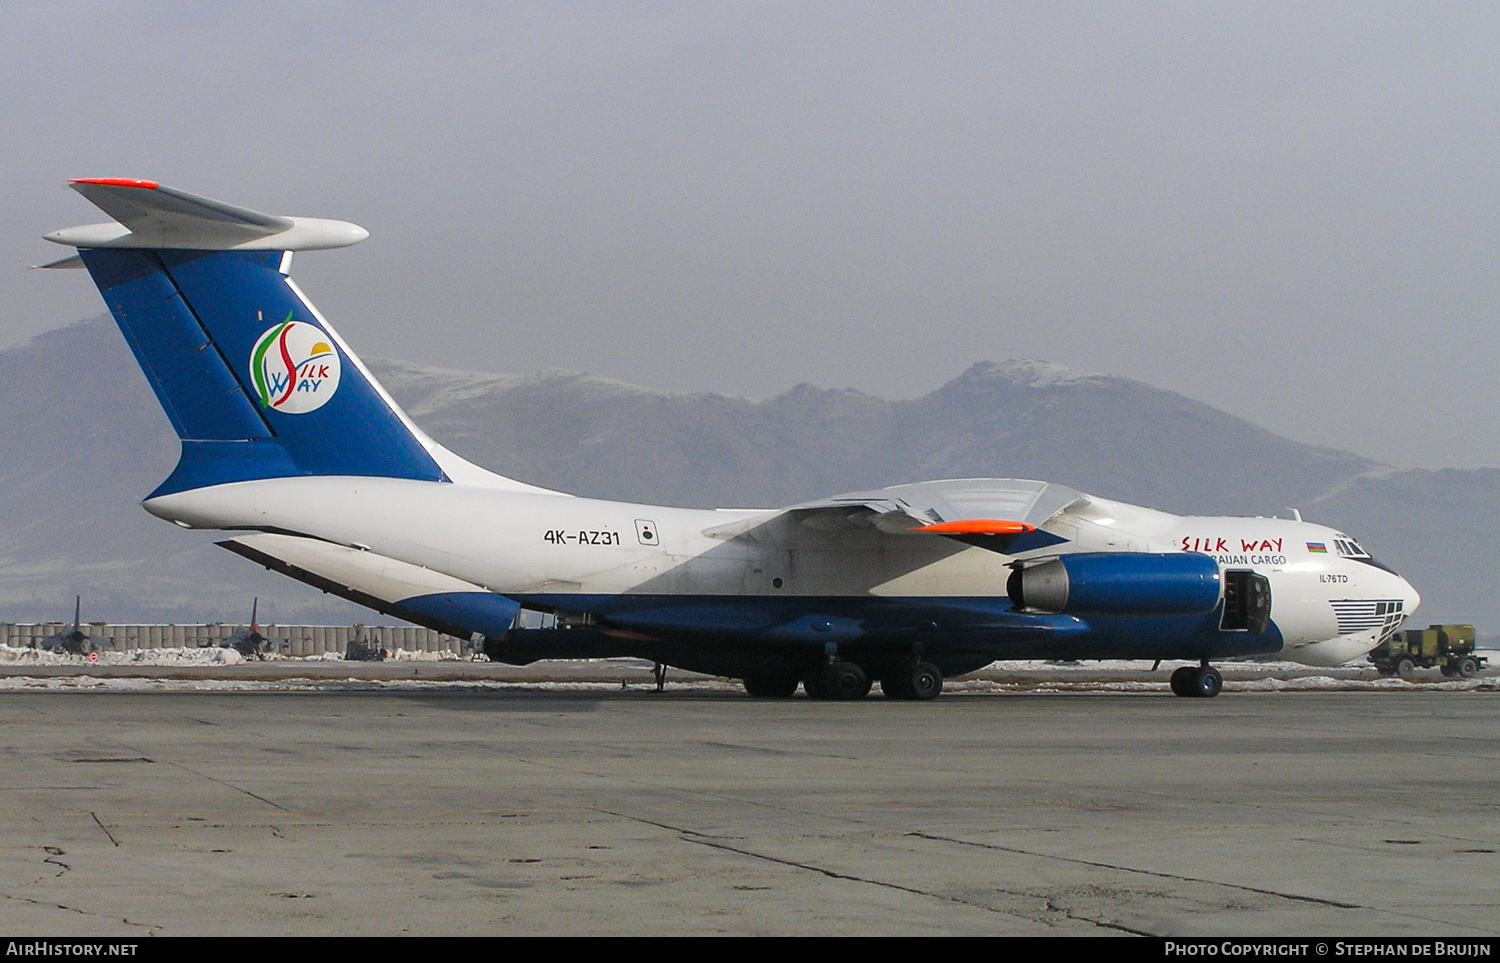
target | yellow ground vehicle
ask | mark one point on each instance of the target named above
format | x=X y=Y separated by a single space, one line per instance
x=1449 y=648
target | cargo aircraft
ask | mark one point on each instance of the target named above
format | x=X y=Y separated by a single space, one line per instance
x=288 y=441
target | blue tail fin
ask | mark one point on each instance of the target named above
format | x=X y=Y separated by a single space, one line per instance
x=254 y=380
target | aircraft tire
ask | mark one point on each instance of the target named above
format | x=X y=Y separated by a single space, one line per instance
x=1182 y=683
x=1405 y=668
x=1468 y=667
x=926 y=681
x=844 y=681
x=896 y=684
x=771 y=686
x=1207 y=682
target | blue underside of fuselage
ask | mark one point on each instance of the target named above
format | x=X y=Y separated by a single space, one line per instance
x=868 y=624
x=484 y=612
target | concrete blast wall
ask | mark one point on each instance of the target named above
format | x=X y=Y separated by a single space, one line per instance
x=299 y=640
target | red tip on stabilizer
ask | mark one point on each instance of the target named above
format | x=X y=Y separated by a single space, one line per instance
x=115 y=182
x=978 y=526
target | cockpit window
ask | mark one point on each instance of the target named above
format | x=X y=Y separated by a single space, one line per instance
x=1348 y=547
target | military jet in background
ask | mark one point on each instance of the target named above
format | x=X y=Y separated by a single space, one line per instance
x=76 y=642
x=250 y=643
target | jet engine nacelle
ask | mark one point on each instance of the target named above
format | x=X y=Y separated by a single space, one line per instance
x=1118 y=583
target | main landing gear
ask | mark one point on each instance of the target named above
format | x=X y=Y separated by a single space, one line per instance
x=771 y=685
x=843 y=681
x=920 y=682
x=1197 y=681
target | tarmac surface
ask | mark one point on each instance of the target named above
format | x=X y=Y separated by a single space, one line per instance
x=462 y=809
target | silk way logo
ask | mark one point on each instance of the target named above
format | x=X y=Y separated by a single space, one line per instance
x=294 y=367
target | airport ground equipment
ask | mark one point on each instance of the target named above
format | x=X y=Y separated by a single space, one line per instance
x=364 y=650
x=1449 y=648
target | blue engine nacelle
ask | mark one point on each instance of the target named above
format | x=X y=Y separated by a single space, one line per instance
x=1118 y=583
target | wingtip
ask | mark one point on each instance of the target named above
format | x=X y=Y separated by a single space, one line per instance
x=71 y=261
x=116 y=182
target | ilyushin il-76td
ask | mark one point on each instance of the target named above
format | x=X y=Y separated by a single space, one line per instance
x=290 y=445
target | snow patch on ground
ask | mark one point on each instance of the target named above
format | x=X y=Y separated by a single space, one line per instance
x=1019 y=677
x=164 y=657
x=411 y=655
x=967 y=687
x=98 y=683
x=190 y=657
x=1314 y=683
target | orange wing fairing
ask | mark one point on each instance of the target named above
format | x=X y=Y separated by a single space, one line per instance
x=978 y=526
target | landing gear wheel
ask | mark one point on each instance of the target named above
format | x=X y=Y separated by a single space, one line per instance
x=1207 y=682
x=926 y=681
x=813 y=684
x=845 y=681
x=1405 y=668
x=1468 y=667
x=896 y=684
x=1182 y=684
x=771 y=686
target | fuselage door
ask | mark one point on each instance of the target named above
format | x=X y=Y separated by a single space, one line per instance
x=1247 y=602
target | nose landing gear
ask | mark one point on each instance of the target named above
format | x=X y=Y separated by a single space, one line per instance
x=1197 y=682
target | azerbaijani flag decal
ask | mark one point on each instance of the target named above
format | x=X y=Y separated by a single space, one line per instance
x=1317 y=548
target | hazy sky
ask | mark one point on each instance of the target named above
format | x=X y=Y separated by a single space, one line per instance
x=1287 y=210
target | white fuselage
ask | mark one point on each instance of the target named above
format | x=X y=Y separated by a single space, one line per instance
x=532 y=543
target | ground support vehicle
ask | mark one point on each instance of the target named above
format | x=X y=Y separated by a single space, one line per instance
x=1449 y=648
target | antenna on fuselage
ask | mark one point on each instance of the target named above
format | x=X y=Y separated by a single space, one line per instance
x=1296 y=514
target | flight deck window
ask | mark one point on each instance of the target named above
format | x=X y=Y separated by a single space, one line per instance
x=1349 y=548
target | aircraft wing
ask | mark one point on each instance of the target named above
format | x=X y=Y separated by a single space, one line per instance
x=996 y=513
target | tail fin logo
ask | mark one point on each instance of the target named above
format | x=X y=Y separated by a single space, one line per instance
x=294 y=367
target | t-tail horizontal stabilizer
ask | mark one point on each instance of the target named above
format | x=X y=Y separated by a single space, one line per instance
x=149 y=215
x=255 y=381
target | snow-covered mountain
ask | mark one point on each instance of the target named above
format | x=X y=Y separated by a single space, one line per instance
x=82 y=440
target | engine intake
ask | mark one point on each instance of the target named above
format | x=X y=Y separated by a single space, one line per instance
x=1118 y=583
